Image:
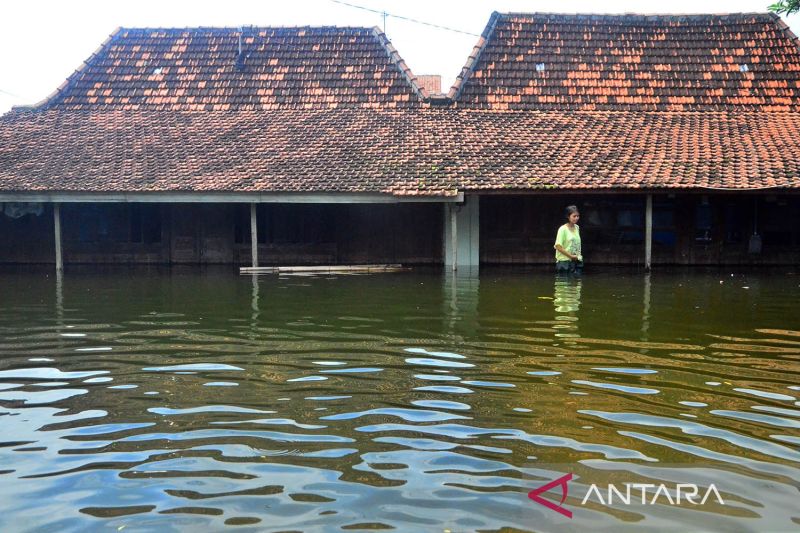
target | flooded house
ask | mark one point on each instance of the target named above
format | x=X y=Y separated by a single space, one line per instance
x=677 y=137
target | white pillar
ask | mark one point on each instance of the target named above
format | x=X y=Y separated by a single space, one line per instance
x=253 y=235
x=648 y=233
x=461 y=234
x=57 y=229
x=454 y=234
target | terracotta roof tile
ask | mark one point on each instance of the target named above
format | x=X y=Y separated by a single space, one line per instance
x=416 y=152
x=628 y=101
x=670 y=62
x=180 y=69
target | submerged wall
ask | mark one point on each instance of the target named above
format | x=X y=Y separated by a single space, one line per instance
x=294 y=234
x=688 y=229
x=26 y=237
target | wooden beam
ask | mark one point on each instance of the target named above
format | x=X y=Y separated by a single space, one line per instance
x=225 y=197
x=57 y=230
x=254 y=235
x=648 y=232
x=616 y=191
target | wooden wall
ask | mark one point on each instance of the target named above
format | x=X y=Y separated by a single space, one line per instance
x=688 y=229
x=27 y=239
x=342 y=234
x=293 y=234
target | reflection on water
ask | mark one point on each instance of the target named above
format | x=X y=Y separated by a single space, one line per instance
x=567 y=303
x=182 y=399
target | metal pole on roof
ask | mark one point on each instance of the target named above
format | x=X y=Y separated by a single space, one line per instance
x=57 y=230
x=648 y=232
x=253 y=235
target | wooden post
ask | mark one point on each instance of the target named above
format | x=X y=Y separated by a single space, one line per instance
x=57 y=229
x=454 y=235
x=253 y=235
x=648 y=233
x=646 y=311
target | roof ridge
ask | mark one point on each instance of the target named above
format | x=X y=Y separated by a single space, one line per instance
x=399 y=62
x=474 y=56
x=634 y=14
x=237 y=28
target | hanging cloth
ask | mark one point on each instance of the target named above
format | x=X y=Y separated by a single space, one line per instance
x=20 y=209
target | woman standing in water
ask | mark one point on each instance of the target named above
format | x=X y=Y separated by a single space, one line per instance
x=568 y=244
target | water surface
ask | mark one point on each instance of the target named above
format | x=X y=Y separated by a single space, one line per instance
x=178 y=399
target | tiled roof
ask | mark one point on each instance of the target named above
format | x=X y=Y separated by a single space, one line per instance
x=628 y=150
x=330 y=150
x=202 y=69
x=402 y=152
x=627 y=102
x=632 y=62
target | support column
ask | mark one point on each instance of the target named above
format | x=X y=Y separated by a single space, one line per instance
x=646 y=310
x=253 y=235
x=57 y=229
x=648 y=233
x=454 y=234
x=461 y=234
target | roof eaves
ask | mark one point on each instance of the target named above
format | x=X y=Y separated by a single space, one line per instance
x=399 y=62
x=472 y=60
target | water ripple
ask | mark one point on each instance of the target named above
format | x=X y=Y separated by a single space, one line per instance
x=418 y=402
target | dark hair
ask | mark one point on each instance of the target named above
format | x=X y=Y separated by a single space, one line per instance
x=569 y=210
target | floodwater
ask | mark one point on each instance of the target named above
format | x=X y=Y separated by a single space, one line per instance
x=167 y=400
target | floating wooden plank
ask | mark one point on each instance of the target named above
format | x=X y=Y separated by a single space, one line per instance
x=330 y=269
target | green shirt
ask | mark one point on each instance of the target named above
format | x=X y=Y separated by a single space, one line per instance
x=569 y=240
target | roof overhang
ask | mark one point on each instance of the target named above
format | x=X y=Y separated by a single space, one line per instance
x=223 y=197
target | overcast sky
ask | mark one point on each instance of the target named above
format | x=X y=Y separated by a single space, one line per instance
x=43 y=42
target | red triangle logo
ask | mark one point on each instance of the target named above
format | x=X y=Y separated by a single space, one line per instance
x=562 y=482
